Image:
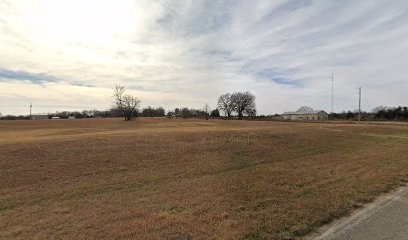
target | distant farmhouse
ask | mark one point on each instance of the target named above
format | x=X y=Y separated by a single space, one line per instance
x=39 y=117
x=306 y=113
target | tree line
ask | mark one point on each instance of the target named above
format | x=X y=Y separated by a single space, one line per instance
x=380 y=113
x=239 y=103
x=396 y=113
x=236 y=105
x=66 y=114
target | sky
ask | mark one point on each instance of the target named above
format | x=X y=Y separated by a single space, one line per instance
x=69 y=54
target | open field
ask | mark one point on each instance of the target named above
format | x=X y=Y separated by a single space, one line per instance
x=190 y=179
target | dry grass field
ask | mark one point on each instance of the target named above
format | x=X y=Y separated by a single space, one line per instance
x=190 y=179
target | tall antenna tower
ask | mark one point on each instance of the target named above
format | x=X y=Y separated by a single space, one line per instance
x=332 y=93
x=31 y=106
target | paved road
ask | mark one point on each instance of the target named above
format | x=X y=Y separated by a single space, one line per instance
x=385 y=219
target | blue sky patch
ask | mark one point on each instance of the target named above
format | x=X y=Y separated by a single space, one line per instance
x=22 y=75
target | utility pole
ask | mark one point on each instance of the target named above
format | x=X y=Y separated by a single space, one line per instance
x=332 y=102
x=359 y=105
x=332 y=93
x=31 y=106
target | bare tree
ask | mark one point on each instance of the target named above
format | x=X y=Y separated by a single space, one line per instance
x=244 y=103
x=124 y=103
x=225 y=104
x=251 y=112
x=206 y=111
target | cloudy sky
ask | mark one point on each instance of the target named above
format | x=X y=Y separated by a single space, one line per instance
x=69 y=54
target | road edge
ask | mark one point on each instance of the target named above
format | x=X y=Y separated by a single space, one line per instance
x=355 y=217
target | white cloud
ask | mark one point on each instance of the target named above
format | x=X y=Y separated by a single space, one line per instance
x=186 y=53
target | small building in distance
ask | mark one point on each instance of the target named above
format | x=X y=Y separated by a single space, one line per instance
x=306 y=113
x=39 y=117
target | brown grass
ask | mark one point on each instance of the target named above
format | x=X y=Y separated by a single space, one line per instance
x=189 y=179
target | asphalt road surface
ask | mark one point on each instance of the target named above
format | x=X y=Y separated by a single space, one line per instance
x=385 y=219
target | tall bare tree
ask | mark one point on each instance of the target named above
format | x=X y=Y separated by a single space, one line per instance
x=206 y=111
x=124 y=103
x=225 y=104
x=244 y=103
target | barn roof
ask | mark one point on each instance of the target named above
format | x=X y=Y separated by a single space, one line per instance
x=304 y=110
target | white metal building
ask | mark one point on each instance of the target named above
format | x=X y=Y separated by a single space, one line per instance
x=39 y=117
x=306 y=113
